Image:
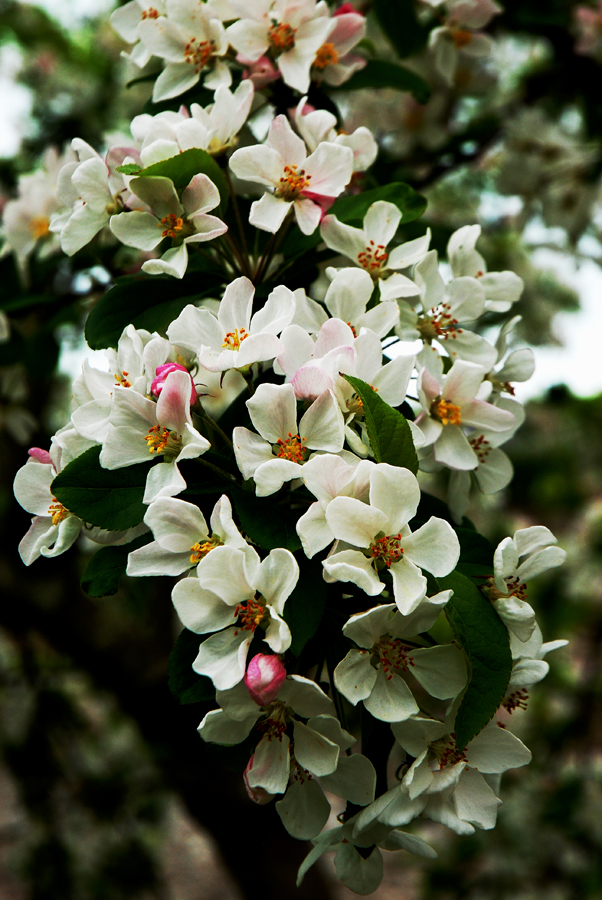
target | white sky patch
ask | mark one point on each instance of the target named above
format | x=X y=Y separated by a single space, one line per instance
x=17 y=102
x=72 y=13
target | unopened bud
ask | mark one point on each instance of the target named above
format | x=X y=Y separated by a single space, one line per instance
x=257 y=794
x=264 y=677
x=41 y=456
x=345 y=8
x=161 y=376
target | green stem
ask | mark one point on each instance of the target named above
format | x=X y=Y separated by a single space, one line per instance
x=221 y=472
x=215 y=427
x=241 y=230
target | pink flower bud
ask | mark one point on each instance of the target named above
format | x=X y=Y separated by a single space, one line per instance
x=345 y=8
x=162 y=373
x=261 y=72
x=41 y=456
x=264 y=678
x=257 y=794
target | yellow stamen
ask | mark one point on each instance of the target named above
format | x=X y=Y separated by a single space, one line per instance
x=292 y=183
x=292 y=448
x=448 y=413
x=373 y=258
x=199 y=551
x=198 y=54
x=39 y=226
x=234 y=339
x=57 y=511
x=461 y=37
x=172 y=225
x=282 y=37
x=326 y=56
x=388 y=549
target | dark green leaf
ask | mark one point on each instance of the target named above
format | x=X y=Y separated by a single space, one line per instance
x=399 y=23
x=390 y=436
x=378 y=73
x=183 y=167
x=475 y=549
x=107 y=498
x=304 y=608
x=106 y=567
x=484 y=638
x=184 y=683
x=266 y=522
x=130 y=168
x=146 y=302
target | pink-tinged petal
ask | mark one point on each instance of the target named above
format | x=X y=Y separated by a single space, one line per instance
x=482 y=415
x=159 y=193
x=462 y=382
x=276 y=314
x=269 y=213
x=349 y=29
x=273 y=411
x=137 y=229
x=299 y=348
x=354 y=677
x=41 y=456
x=264 y=677
x=330 y=167
x=322 y=426
x=333 y=334
x=409 y=585
x=235 y=307
x=308 y=215
x=355 y=522
x=434 y=547
x=381 y=222
x=200 y=610
x=286 y=143
x=391 y=699
x=207 y=228
x=173 y=405
x=271 y=765
x=395 y=492
x=257 y=348
x=309 y=382
x=343 y=238
x=350 y=565
x=452 y=449
x=223 y=657
x=260 y=164
x=200 y=196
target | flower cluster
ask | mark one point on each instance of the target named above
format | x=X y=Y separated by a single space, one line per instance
x=260 y=443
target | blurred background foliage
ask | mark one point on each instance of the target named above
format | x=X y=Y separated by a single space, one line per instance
x=106 y=792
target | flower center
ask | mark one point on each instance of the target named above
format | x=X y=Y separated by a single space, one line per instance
x=373 y=258
x=282 y=37
x=172 y=225
x=250 y=613
x=57 y=511
x=292 y=448
x=461 y=37
x=292 y=183
x=274 y=724
x=393 y=655
x=121 y=379
x=439 y=324
x=150 y=13
x=447 y=413
x=162 y=440
x=326 y=56
x=387 y=549
x=198 y=551
x=39 y=226
x=481 y=447
x=446 y=751
x=197 y=54
x=517 y=700
x=234 y=339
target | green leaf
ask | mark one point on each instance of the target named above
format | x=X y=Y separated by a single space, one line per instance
x=304 y=608
x=390 y=436
x=106 y=567
x=484 y=638
x=130 y=168
x=379 y=73
x=266 y=522
x=183 y=167
x=146 y=302
x=475 y=549
x=399 y=23
x=183 y=681
x=107 y=498
x=351 y=211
